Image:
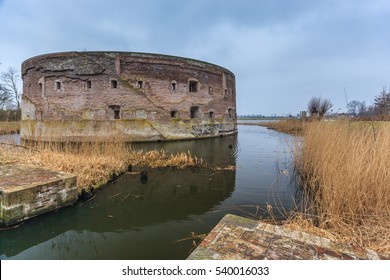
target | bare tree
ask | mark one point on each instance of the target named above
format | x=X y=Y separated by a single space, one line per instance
x=314 y=106
x=325 y=106
x=5 y=97
x=357 y=108
x=318 y=108
x=10 y=79
x=353 y=107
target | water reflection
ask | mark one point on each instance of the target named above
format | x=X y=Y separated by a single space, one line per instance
x=136 y=218
x=130 y=204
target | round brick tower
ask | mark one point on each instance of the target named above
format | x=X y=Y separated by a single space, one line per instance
x=84 y=96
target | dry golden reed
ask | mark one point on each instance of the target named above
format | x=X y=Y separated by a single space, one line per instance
x=345 y=172
x=9 y=127
x=93 y=162
x=291 y=126
x=160 y=158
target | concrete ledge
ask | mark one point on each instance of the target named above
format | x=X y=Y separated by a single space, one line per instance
x=26 y=192
x=132 y=130
x=237 y=238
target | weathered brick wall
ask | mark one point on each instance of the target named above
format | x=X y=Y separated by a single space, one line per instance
x=174 y=95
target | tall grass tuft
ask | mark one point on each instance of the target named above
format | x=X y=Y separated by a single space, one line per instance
x=345 y=174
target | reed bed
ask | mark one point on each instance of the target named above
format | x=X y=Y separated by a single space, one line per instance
x=160 y=158
x=345 y=177
x=291 y=126
x=94 y=163
x=9 y=127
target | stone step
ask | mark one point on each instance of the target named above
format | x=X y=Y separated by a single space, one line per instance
x=238 y=238
x=27 y=191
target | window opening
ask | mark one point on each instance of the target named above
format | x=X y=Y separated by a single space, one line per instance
x=139 y=84
x=89 y=84
x=114 y=84
x=194 y=112
x=116 y=110
x=193 y=86
x=174 y=114
x=58 y=85
x=117 y=114
x=40 y=87
x=173 y=86
x=230 y=111
x=211 y=114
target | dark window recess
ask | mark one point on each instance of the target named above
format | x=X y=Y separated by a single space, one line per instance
x=114 y=84
x=226 y=91
x=194 y=112
x=139 y=84
x=40 y=87
x=58 y=85
x=89 y=84
x=174 y=114
x=193 y=86
x=211 y=115
x=116 y=110
x=173 y=86
x=230 y=113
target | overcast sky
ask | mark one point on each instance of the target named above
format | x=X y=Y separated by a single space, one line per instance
x=282 y=52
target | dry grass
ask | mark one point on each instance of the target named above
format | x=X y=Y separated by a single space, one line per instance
x=159 y=158
x=291 y=126
x=9 y=127
x=345 y=171
x=93 y=163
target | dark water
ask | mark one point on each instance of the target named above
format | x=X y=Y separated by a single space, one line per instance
x=143 y=219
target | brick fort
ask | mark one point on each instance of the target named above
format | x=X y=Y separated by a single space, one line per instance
x=83 y=96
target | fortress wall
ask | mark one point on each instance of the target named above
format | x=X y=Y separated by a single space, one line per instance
x=174 y=97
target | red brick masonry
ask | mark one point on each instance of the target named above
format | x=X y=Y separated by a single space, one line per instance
x=136 y=96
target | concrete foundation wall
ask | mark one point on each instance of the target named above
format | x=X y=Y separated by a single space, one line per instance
x=27 y=192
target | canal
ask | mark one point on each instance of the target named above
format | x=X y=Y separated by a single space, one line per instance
x=153 y=217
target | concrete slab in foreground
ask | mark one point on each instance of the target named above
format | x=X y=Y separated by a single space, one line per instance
x=27 y=191
x=240 y=238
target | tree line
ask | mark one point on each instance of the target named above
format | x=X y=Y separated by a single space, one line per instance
x=380 y=108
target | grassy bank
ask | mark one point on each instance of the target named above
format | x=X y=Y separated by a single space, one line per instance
x=9 y=127
x=93 y=163
x=345 y=174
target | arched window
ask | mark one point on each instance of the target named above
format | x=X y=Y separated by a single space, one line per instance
x=173 y=85
x=195 y=112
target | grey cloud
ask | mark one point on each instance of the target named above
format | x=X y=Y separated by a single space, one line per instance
x=282 y=52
